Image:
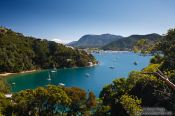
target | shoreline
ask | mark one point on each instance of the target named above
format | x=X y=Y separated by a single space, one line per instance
x=79 y=67
x=22 y=72
x=30 y=71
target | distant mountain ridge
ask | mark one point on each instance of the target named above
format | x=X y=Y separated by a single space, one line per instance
x=94 y=41
x=127 y=43
x=111 y=42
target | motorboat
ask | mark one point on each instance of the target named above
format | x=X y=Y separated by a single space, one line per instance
x=53 y=71
x=87 y=75
x=61 y=84
x=111 y=67
x=135 y=63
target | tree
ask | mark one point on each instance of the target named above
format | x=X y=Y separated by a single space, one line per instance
x=102 y=110
x=131 y=104
x=41 y=101
x=143 y=45
x=48 y=101
x=4 y=86
x=167 y=47
x=5 y=106
x=78 y=97
x=163 y=78
x=91 y=101
x=112 y=93
x=21 y=53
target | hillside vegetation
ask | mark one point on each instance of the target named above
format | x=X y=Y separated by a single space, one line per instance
x=128 y=43
x=114 y=42
x=132 y=96
x=20 y=53
x=94 y=41
x=146 y=88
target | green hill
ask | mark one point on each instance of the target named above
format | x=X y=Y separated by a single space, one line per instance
x=94 y=41
x=20 y=53
x=128 y=43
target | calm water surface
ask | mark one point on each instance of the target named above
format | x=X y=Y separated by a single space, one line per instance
x=89 y=78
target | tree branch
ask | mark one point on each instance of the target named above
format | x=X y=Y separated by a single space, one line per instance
x=163 y=78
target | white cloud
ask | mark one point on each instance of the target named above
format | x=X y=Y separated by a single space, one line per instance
x=58 y=41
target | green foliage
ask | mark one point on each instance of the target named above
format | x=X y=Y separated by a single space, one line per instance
x=5 y=105
x=140 y=44
x=48 y=101
x=143 y=46
x=4 y=87
x=152 y=91
x=151 y=68
x=129 y=43
x=112 y=93
x=125 y=96
x=41 y=101
x=91 y=101
x=20 y=53
x=102 y=110
x=167 y=48
x=1 y=104
x=78 y=97
x=131 y=104
x=157 y=59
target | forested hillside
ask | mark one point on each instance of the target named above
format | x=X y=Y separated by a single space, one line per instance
x=148 y=88
x=21 y=53
x=95 y=41
x=128 y=43
x=153 y=87
x=114 y=42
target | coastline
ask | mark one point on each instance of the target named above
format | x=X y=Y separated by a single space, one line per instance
x=90 y=65
x=81 y=67
x=30 y=71
x=7 y=74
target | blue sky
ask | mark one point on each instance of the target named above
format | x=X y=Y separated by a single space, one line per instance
x=68 y=20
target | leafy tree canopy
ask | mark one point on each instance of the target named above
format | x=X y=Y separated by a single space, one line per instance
x=20 y=53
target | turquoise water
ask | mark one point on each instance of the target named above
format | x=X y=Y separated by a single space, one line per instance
x=88 y=78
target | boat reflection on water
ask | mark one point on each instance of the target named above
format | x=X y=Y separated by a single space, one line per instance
x=49 y=78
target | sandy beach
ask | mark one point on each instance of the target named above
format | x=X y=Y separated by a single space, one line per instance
x=7 y=74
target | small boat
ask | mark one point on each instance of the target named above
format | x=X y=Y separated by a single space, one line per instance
x=13 y=83
x=87 y=75
x=49 y=78
x=8 y=95
x=53 y=71
x=135 y=63
x=111 y=67
x=54 y=67
x=61 y=84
